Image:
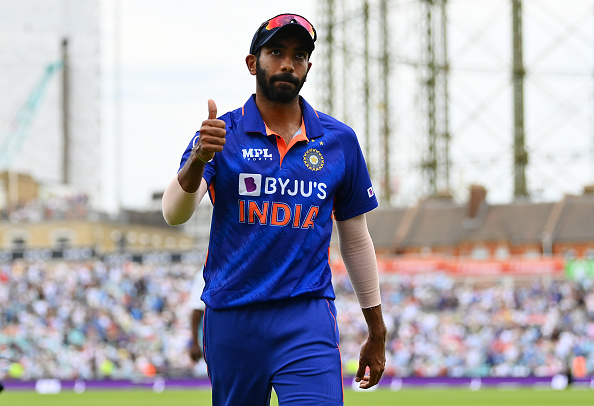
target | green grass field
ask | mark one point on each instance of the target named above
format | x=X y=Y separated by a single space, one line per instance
x=407 y=397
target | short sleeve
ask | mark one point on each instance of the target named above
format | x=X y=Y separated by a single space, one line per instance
x=355 y=195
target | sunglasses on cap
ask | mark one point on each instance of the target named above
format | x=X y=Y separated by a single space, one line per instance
x=284 y=19
x=269 y=28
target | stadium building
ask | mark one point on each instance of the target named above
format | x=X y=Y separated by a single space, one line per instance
x=50 y=119
x=476 y=238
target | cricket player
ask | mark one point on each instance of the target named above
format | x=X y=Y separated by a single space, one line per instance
x=277 y=173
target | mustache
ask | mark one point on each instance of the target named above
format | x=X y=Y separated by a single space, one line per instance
x=285 y=77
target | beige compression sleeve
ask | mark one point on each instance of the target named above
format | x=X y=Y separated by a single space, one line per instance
x=179 y=205
x=358 y=254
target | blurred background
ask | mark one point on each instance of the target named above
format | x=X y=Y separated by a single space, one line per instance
x=476 y=119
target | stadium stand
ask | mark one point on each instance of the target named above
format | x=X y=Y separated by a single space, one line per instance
x=96 y=320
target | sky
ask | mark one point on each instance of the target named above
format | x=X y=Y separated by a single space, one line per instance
x=177 y=54
x=174 y=56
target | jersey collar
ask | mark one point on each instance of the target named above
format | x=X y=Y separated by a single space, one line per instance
x=253 y=122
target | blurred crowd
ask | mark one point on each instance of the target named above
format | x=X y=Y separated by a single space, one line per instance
x=94 y=320
x=127 y=321
x=438 y=326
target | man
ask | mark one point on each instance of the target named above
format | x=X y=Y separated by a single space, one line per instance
x=197 y=306
x=277 y=173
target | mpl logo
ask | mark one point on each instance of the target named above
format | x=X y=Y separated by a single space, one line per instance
x=250 y=184
x=256 y=154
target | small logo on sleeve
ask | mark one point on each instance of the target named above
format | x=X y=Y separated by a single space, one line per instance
x=370 y=192
x=250 y=184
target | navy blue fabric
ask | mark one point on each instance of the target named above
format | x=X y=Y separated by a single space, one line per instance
x=291 y=345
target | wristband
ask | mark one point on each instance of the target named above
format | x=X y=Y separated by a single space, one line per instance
x=202 y=160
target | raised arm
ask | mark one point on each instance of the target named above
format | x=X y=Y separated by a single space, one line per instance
x=189 y=187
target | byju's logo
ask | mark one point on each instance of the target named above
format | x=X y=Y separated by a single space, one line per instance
x=250 y=184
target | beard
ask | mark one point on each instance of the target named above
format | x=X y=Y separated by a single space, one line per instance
x=281 y=93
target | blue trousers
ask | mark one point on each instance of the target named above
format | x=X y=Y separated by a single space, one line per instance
x=291 y=346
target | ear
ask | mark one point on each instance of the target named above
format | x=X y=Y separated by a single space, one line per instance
x=250 y=61
x=308 y=68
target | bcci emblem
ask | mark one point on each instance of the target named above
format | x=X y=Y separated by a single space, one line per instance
x=313 y=159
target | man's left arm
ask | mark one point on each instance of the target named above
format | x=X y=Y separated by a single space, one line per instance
x=196 y=321
x=358 y=254
x=197 y=306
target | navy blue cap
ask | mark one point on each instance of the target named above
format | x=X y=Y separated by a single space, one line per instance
x=284 y=22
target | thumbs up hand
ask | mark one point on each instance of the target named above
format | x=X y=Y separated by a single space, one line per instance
x=212 y=135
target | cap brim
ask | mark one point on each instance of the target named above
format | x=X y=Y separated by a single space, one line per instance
x=291 y=29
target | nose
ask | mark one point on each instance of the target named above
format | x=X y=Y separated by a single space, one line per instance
x=287 y=65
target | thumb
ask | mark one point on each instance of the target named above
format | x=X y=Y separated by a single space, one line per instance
x=212 y=109
x=360 y=371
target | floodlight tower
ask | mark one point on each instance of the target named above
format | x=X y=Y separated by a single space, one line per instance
x=366 y=85
x=327 y=27
x=519 y=73
x=385 y=132
x=434 y=69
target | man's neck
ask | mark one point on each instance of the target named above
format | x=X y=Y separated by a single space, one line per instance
x=282 y=118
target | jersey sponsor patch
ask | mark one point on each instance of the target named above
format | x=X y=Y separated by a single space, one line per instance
x=250 y=184
x=256 y=154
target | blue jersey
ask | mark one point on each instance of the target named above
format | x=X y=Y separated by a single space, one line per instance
x=273 y=206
